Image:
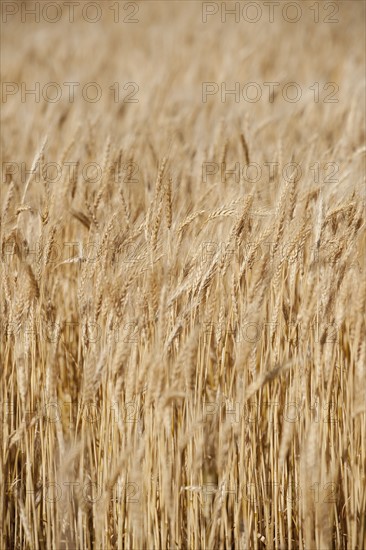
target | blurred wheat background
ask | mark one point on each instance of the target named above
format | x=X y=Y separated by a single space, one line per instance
x=183 y=351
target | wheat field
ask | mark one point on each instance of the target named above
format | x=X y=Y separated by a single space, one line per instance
x=183 y=276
